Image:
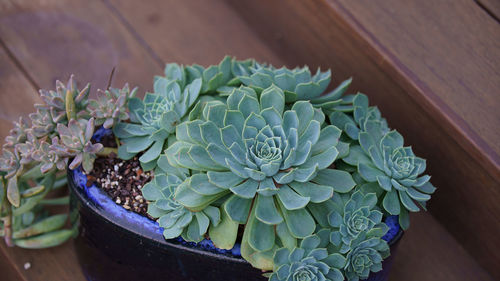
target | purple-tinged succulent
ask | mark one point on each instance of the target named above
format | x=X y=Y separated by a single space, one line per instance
x=10 y=162
x=28 y=148
x=66 y=100
x=42 y=123
x=110 y=106
x=75 y=141
x=48 y=157
x=17 y=134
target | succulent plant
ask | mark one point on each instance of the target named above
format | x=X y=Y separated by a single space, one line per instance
x=154 y=119
x=366 y=255
x=216 y=78
x=49 y=157
x=364 y=117
x=42 y=123
x=28 y=148
x=358 y=215
x=17 y=134
x=271 y=161
x=66 y=102
x=75 y=141
x=10 y=162
x=395 y=168
x=309 y=262
x=297 y=84
x=110 y=106
x=381 y=158
x=174 y=218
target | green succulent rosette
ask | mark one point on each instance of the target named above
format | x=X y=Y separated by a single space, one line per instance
x=353 y=216
x=366 y=255
x=219 y=78
x=309 y=262
x=269 y=162
x=154 y=119
x=297 y=84
x=355 y=116
x=174 y=218
x=381 y=158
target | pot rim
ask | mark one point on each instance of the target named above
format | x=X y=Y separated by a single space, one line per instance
x=123 y=220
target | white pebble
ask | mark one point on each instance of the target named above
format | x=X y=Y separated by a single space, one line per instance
x=27 y=266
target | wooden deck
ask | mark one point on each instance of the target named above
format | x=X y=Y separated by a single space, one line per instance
x=436 y=78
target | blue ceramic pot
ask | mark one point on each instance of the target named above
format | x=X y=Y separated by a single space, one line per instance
x=116 y=244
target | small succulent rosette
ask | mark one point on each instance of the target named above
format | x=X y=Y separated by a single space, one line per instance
x=309 y=262
x=174 y=218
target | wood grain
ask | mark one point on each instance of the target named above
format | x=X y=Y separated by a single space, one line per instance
x=201 y=32
x=52 y=39
x=428 y=252
x=492 y=7
x=13 y=84
x=466 y=202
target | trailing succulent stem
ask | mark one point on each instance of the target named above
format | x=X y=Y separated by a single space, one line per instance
x=33 y=154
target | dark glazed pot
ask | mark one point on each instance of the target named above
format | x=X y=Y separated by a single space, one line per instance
x=116 y=244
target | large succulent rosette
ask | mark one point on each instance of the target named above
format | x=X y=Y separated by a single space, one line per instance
x=268 y=161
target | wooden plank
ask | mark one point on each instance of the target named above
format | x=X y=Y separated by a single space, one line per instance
x=428 y=252
x=17 y=95
x=8 y=270
x=467 y=199
x=58 y=263
x=52 y=39
x=454 y=60
x=491 y=7
x=201 y=32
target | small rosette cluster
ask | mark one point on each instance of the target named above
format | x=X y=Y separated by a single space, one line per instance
x=59 y=106
x=358 y=215
x=174 y=218
x=75 y=141
x=309 y=262
x=297 y=84
x=110 y=107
